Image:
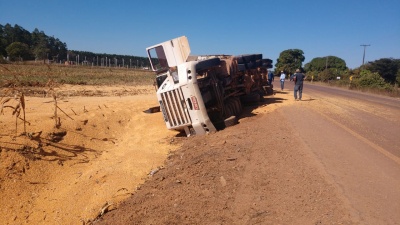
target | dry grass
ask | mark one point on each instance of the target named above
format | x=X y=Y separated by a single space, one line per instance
x=24 y=75
x=20 y=80
x=17 y=105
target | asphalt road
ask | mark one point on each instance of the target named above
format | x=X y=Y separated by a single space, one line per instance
x=355 y=136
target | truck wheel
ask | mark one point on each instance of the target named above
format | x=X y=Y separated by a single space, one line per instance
x=241 y=59
x=217 y=119
x=269 y=90
x=219 y=125
x=208 y=63
x=251 y=98
x=232 y=108
x=238 y=106
x=228 y=110
x=230 y=121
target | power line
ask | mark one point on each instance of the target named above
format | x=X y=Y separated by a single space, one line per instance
x=365 y=46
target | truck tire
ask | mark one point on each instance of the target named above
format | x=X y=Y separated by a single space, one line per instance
x=228 y=110
x=230 y=121
x=241 y=59
x=208 y=63
x=251 y=65
x=241 y=67
x=258 y=57
x=235 y=105
x=250 y=98
x=238 y=105
x=232 y=109
x=217 y=120
x=269 y=89
x=219 y=125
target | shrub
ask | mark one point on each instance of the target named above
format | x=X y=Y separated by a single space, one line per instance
x=372 y=80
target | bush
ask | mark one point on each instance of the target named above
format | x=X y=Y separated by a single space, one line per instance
x=372 y=80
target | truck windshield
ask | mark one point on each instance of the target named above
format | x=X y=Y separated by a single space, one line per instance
x=158 y=59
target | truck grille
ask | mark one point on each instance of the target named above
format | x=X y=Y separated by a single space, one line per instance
x=174 y=108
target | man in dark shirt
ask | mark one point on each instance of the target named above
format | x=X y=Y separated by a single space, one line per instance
x=270 y=77
x=298 y=79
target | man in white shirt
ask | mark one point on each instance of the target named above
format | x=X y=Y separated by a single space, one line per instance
x=282 y=79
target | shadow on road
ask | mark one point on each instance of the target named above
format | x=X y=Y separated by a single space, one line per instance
x=248 y=109
x=308 y=100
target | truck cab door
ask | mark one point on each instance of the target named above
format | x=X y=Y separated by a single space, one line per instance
x=168 y=54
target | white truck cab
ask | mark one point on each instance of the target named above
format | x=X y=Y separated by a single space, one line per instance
x=178 y=94
x=202 y=94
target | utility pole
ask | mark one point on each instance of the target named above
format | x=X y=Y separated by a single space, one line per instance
x=326 y=62
x=365 y=46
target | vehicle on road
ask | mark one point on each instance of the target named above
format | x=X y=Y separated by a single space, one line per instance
x=199 y=94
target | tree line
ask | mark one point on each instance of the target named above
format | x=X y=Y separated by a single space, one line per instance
x=381 y=74
x=18 y=44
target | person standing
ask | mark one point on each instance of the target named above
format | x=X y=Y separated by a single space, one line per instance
x=298 y=79
x=282 y=79
x=270 y=77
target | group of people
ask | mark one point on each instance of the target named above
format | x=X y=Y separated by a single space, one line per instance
x=298 y=78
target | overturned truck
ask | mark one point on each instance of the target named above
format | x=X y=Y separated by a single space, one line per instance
x=205 y=93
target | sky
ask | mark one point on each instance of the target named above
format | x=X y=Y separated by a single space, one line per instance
x=318 y=27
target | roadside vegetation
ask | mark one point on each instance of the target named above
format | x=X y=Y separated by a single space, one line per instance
x=381 y=76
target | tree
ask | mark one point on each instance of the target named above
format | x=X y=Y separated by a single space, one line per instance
x=387 y=68
x=39 y=41
x=21 y=35
x=56 y=47
x=3 y=42
x=18 y=50
x=40 y=45
x=398 y=77
x=328 y=74
x=40 y=51
x=319 y=64
x=8 y=34
x=290 y=60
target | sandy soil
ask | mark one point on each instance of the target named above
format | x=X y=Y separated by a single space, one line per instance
x=112 y=163
x=257 y=172
x=103 y=150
